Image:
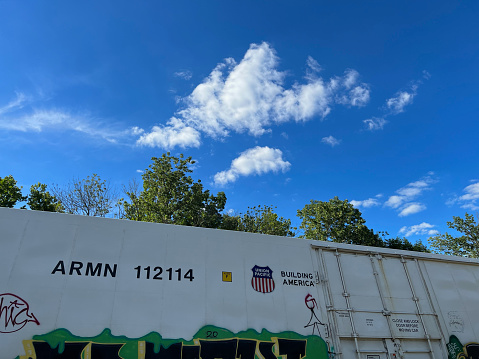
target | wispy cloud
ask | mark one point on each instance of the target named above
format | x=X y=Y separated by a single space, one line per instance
x=14 y=104
x=330 y=140
x=396 y=104
x=470 y=198
x=254 y=161
x=402 y=99
x=184 y=74
x=249 y=97
x=404 y=199
x=19 y=115
x=419 y=229
x=375 y=123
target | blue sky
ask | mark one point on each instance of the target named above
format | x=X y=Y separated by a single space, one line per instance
x=279 y=102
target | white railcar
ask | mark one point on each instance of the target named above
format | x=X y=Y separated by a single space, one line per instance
x=74 y=287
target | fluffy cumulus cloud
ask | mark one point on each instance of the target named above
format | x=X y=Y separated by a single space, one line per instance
x=403 y=200
x=330 y=140
x=254 y=161
x=175 y=133
x=419 y=229
x=250 y=96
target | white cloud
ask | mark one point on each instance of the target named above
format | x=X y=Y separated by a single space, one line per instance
x=185 y=74
x=359 y=96
x=356 y=95
x=470 y=199
x=254 y=161
x=58 y=120
x=19 y=115
x=395 y=201
x=397 y=103
x=403 y=199
x=330 y=140
x=375 y=123
x=411 y=208
x=472 y=192
x=249 y=96
x=313 y=65
x=367 y=203
x=419 y=229
x=15 y=104
x=176 y=133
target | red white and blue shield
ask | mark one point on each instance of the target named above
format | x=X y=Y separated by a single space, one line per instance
x=262 y=280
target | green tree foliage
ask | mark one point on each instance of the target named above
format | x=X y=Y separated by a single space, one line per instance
x=466 y=245
x=91 y=196
x=10 y=193
x=339 y=221
x=260 y=219
x=404 y=244
x=336 y=221
x=170 y=195
x=40 y=199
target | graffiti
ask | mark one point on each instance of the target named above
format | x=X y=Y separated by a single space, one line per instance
x=209 y=343
x=262 y=280
x=313 y=320
x=456 y=323
x=14 y=313
x=456 y=350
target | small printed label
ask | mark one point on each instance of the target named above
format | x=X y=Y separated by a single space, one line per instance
x=227 y=277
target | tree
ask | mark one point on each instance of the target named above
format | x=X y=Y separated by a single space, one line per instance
x=466 y=245
x=40 y=199
x=405 y=244
x=170 y=195
x=336 y=221
x=10 y=193
x=260 y=219
x=339 y=221
x=90 y=196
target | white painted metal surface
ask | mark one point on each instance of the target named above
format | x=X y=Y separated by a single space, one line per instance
x=139 y=284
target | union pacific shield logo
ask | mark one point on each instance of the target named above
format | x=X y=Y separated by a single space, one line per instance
x=262 y=280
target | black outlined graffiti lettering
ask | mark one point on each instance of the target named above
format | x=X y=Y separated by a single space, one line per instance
x=204 y=349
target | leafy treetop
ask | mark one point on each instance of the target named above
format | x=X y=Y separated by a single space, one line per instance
x=170 y=195
x=466 y=245
x=10 y=193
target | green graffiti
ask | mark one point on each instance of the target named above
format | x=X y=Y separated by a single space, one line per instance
x=455 y=349
x=208 y=343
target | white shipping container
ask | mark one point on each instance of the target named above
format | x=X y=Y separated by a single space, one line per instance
x=76 y=287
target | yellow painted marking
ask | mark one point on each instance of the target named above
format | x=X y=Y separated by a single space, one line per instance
x=227 y=277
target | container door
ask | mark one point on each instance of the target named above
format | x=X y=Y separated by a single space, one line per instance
x=378 y=307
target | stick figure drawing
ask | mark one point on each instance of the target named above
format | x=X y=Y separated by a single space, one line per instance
x=314 y=320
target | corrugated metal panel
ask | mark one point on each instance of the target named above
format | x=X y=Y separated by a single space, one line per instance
x=379 y=305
